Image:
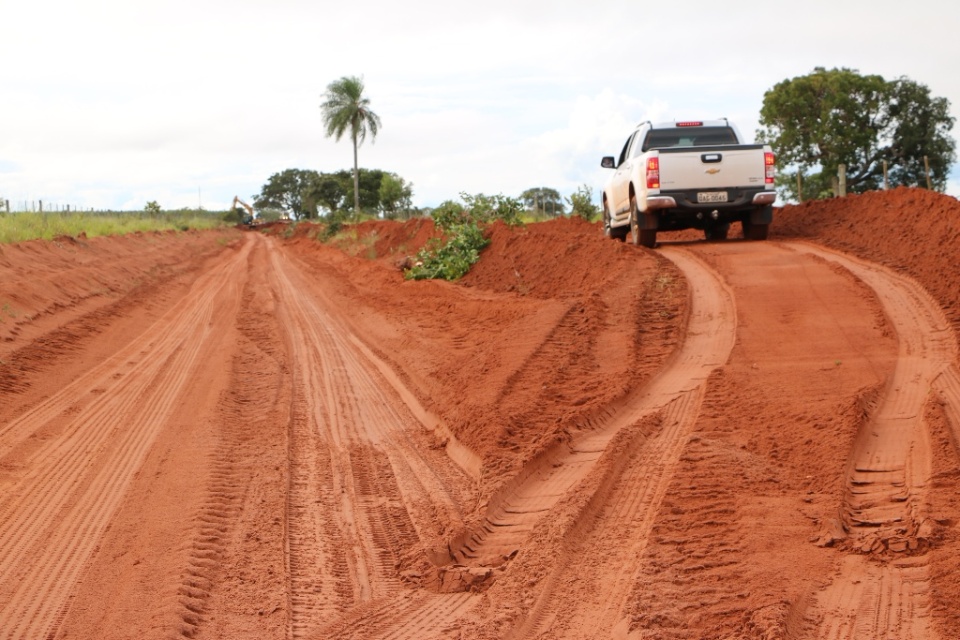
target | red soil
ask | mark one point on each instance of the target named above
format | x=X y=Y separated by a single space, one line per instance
x=259 y=435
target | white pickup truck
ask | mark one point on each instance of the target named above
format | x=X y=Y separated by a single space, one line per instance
x=688 y=175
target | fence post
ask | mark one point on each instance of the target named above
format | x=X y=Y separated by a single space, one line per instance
x=886 y=184
x=799 y=186
x=843 y=179
x=926 y=170
x=41 y=205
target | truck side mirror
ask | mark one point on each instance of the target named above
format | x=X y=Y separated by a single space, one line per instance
x=607 y=162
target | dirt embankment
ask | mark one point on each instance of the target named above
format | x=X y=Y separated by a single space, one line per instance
x=542 y=335
x=914 y=231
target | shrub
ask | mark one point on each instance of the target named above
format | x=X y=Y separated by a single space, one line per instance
x=581 y=204
x=449 y=258
x=452 y=256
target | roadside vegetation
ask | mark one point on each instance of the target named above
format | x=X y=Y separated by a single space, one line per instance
x=451 y=256
x=23 y=226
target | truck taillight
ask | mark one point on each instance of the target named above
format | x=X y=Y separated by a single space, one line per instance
x=770 y=165
x=653 y=173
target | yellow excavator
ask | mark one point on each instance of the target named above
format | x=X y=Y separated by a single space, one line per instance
x=248 y=216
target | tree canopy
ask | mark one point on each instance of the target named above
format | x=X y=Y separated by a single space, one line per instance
x=345 y=108
x=303 y=193
x=396 y=196
x=543 y=201
x=285 y=191
x=831 y=117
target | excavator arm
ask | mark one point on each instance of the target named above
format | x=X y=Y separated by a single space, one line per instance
x=249 y=216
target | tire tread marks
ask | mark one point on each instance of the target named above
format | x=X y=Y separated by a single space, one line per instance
x=99 y=431
x=883 y=507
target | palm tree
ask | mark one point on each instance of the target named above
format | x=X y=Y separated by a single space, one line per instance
x=345 y=107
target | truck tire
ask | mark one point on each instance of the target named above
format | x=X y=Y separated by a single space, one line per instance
x=615 y=233
x=754 y=231
x=756 y=224
x=717 y=231
x=640 y=237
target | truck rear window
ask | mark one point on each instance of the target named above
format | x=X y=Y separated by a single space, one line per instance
x=689 y=137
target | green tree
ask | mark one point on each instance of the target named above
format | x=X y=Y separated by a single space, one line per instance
x=286 y=191
x=329 y=192
x=543 y=201
x=369 y=181
x=831 y=117
x=395 y=196
x=921 y=127
x=152 y=208
x=345 y=108
x=582 y=204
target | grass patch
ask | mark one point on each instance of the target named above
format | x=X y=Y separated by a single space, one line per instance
x=349 y=240
x=20 y=227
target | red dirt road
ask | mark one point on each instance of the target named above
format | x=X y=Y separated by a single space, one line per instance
x=248 y=435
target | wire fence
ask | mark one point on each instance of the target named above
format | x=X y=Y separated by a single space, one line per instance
x=39 y=206
x=46 y=206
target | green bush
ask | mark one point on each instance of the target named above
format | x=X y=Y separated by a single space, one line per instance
x=449 y=214
x=486 y=209
x=452 y=258
x=462 y=225
x=581 y=204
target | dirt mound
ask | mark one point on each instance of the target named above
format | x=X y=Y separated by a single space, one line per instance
x=565 y=256
x=509 y=357
x=915 y=231
x=398 y=239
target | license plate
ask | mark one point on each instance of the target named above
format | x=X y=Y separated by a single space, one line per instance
x=712 y=196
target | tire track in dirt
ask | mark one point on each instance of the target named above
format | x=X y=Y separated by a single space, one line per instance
x=627 y=498
x=417 y=615
x=883 y=509
x=248 y=412
x=72 y=457
x=363 y=491
x=514 y=512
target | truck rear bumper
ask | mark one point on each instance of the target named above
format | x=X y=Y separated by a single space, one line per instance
x=661 y=202
x=765 y=197
x=737 y=199
x=680 y=210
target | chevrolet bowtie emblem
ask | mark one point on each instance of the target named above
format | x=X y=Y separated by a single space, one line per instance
x=713 y=171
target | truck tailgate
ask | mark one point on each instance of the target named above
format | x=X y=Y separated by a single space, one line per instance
x=705 y=168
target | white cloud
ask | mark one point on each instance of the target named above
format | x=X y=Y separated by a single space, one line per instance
x=113 y=102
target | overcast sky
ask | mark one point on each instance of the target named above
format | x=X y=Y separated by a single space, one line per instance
x=111 y=104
